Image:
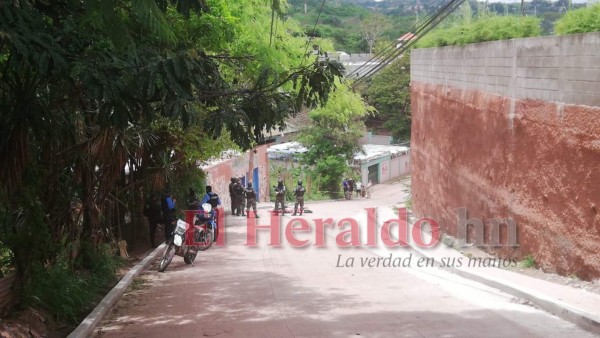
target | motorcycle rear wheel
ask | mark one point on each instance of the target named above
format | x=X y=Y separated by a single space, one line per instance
x=167 y=257
x=190 y=257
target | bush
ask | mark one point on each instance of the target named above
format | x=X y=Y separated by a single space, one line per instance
x=67 y=294
x=582 y=20
x=6 y=260
x=489 y=28
x=528 y=261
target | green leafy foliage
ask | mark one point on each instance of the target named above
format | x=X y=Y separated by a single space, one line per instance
x=581 y=20
x=528 y=262
x=67 y=295
x=105 y=102
x=389 y=93
x=481 y=29
x=6 y=260
x=332 y=139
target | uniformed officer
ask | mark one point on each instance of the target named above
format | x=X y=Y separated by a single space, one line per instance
x=238 y=190
x=299 y=193
x=250 y=195
x=232 y=195
x=280 y=197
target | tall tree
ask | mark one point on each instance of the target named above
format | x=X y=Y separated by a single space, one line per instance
x=103 y=101
x=372 y=27
x=389 y=93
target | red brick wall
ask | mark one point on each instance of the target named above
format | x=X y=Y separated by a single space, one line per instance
x=534 y=161
x=219 y=175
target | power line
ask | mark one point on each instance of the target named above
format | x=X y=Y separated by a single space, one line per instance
x=392 y=46
x=420 y=29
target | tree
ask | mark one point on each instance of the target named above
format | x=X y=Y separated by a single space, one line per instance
x=332 y=139
x=372 y=27
x=389 y=93
x=103 y=102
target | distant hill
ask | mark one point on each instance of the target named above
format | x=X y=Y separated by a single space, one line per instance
x=340 y=19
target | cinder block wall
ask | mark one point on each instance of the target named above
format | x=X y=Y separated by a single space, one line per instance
x=512 y=129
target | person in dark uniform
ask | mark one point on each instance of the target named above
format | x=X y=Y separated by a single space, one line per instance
x=299 y=193
x=232 y=195
x=192 y=200
x=167 y=205
x=153 y=213
x=250 y=195
x=213 y=199
x=280 y=197
x=238 y=190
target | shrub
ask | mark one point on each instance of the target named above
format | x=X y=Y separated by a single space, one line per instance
x=581 y=20
x=528 y=261
x=67 y=294
x=489 y=28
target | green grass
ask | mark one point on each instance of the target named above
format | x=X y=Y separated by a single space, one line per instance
x=528 y=262
x=68 y=294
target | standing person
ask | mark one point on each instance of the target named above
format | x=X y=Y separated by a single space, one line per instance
x=191 y=200
x=350 y=187
x=213 y=199
x=242 y=195
x=238 y=190
x=345 y=187
x=232 y=195
x=358 y=188
x=153 y=213
x=280 y=196
x=368 y=189
x=168 y=207
x=299 y=193
x=250 y=195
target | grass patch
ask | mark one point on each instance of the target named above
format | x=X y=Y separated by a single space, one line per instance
x=528 y=262
x=139 y=283
x=68 y=294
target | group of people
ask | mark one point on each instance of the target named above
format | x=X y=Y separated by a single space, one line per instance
x=242 y=197
x=280 y=190
x=163 y=210
x=349 y=186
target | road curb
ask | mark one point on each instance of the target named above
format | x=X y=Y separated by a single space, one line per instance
x=88 y=325
x=585 y=320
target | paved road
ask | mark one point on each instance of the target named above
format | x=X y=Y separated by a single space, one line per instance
x=263 y=291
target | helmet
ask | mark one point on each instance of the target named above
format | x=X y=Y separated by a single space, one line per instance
x=299 y=182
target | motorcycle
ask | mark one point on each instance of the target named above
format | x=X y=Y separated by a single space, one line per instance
x=187 y=240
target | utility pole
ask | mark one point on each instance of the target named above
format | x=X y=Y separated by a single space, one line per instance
x=305 y=7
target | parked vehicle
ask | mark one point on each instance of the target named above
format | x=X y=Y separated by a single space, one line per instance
x=187 y=240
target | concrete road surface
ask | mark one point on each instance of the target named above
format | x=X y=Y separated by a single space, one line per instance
x=238 y=290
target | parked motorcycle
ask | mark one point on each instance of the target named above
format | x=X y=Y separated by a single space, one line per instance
x=187 y=240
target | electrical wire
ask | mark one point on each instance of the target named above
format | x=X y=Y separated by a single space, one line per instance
x=430 y=23
x=389 y=54
x=392 y=46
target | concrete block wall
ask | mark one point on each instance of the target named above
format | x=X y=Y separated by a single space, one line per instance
x=511 y=129
x=562 y=69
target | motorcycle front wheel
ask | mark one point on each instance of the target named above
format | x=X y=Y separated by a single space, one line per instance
x=167 y=257
x=206 y=238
